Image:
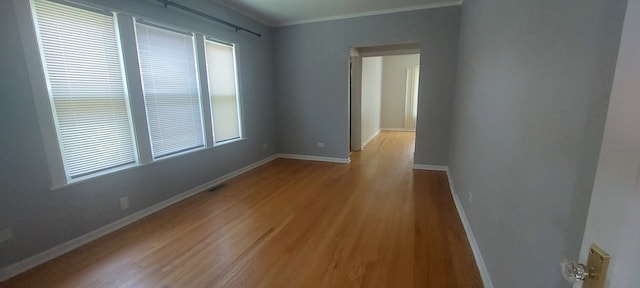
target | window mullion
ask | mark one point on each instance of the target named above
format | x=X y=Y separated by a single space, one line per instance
x=126 y=25
x=204 y=89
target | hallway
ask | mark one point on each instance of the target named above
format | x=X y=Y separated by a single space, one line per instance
x=375 y=222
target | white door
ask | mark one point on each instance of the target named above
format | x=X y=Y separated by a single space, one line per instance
x=613 y=222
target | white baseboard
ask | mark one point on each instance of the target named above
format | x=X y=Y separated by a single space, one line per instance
x=430 y=167
x=399 y=129
x=370 y=138
x=40 y=258
x=482 y=267
x=314 y=158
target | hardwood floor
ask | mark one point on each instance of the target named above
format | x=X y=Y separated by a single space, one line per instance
x=372 y=223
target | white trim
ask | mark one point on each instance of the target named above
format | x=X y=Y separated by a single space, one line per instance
x=40 y=91
x=40 y=258
x=314 y=158
x=355 y=103
x=390 y=52
x=131 y=68
x=203 y=84
x=369 y=140
x=482 y=267
x=353 y=52
x=431 y=167
x=373 y=13
x=398 y=129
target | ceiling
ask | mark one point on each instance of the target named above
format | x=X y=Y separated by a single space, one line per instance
x=289 y=12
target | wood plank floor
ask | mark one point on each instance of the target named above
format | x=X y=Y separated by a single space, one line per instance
x=372 y=223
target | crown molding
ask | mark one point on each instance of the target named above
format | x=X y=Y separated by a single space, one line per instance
x=373 y=13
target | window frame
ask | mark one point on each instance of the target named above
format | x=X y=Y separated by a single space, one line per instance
x=50 y=96
x=43 y=98
x=124 y=24
x=198 y=83
x=239 y=106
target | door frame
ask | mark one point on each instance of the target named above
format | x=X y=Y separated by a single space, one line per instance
x=354 y=90
x=355 y=100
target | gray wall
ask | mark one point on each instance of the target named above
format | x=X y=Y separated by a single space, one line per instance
x=40 y=218
x=615 y=202
x=532 y=90
x=312 y=64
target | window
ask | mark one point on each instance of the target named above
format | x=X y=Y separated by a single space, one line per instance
x=104 y=105
x=223 y=92
x=171 y=94
x=82 y=64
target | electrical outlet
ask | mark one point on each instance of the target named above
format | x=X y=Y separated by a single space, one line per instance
x=5 y=235
x=320 y=144
x=124 y=203
x=470 y=197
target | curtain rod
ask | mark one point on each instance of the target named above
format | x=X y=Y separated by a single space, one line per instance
x=185 y=8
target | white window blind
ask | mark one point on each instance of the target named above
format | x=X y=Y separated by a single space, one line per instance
x=221 y=71
x=171 y=94
x=87 y=91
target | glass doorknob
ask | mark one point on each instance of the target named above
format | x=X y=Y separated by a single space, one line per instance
x=573 y=271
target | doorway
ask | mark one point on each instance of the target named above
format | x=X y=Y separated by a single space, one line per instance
x=383 y=91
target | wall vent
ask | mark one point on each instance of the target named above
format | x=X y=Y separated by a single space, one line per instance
x=217 y=187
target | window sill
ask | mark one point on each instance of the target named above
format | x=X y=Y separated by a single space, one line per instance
x=86 y=178
x=133 y=165
x=221 y=143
